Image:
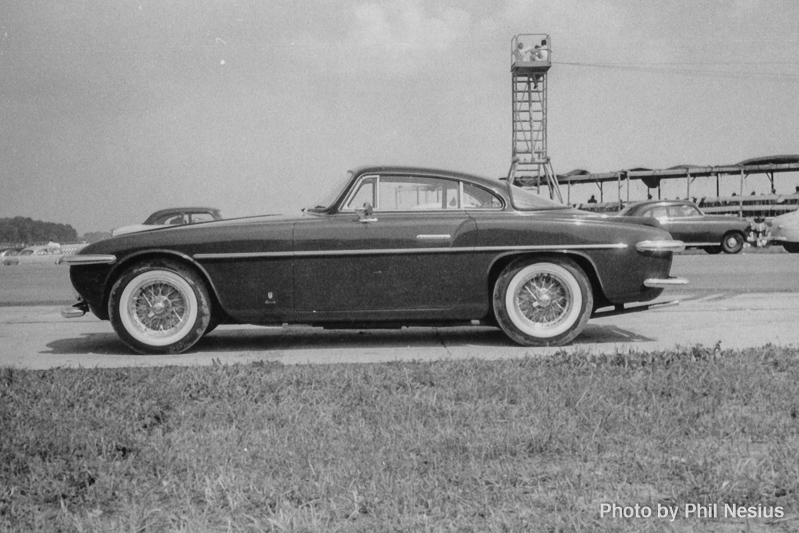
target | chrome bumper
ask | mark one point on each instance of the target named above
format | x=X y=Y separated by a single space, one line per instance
x=622 y=310
x=76 y=310
x=660 y=246
x=668 y=282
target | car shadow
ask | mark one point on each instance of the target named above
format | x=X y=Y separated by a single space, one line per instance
x=262 y=339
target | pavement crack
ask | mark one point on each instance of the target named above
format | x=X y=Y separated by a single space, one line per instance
x=441 y=340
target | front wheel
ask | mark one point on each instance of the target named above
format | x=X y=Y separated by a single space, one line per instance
x=732 y=243
x=159 y=307
x=543 y=302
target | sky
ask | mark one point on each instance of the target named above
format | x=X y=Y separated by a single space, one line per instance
x=112 y=109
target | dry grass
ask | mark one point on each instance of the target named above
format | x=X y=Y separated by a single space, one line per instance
x=522 y=445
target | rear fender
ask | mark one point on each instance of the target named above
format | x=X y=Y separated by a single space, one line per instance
x=582 y=260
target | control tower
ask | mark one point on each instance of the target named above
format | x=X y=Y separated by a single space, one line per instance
x=530 y=63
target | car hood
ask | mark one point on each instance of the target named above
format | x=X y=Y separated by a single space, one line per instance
x=172 y=236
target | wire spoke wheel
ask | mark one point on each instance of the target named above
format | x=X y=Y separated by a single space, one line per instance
x=542 y=302
x=159 y=307
x=544 y=299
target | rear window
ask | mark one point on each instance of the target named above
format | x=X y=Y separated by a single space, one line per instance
x=524 y=200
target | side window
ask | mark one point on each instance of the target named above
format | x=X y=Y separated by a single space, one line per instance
x=680 y=211
x=475 y=197
x=175 y=220
x=412 y=193
x=365 y=193
x=201 y=217
x=657 y=212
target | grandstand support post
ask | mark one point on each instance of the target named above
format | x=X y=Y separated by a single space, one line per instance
x=741 y=195
x=627 y=176
x=688 y=184
x=717 y=185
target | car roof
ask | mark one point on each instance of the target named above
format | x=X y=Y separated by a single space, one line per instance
x=176 y=210
x=392 y=169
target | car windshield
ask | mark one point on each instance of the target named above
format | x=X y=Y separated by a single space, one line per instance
x=528 y=201
x=333 y=194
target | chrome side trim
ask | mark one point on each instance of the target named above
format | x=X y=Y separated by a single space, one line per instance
x=441 y=237
x=660 y=246
x=668 y=282
x=399 y=251
x=88 y=259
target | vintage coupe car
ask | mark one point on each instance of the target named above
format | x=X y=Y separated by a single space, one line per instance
x=174 y=216
x=686 y=222
x=388 y=247
x=784 y=230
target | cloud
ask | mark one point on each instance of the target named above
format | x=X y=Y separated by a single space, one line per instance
x=402 y=37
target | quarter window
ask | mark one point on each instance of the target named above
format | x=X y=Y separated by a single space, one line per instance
x=475 y=197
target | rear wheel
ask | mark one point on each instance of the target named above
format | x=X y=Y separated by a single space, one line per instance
x=543 y=302
x=791 y=247
x=732 y=242
x=159 y=307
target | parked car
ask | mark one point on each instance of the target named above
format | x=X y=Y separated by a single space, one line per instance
x=35 y=255
x=785 y=231
x=686 y=222
x=387 y=247
x=8 y=252
x=174 y=216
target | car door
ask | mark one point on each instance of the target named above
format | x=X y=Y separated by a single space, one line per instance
x=685 y=223
x=403 y=256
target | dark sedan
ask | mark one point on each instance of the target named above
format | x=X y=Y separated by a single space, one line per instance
x=388 y=247
x=686 y=222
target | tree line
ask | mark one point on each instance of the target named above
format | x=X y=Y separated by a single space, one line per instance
x=29 y=231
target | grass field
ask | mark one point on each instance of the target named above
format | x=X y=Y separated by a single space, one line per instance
x=517 y=445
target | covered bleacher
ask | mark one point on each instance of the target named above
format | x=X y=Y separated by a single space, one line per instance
x=767 y=204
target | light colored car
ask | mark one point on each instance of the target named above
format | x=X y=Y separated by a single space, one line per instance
x=48 y=253
x=174 y=216
x=8 y=252
x=785 y=231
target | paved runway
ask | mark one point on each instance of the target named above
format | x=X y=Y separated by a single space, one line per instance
x=739 y=301
x=37 y=337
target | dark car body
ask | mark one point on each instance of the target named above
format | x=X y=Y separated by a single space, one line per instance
x=391 y=246
x=686 y=222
